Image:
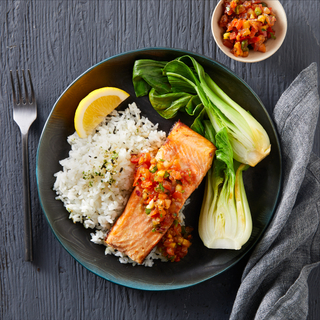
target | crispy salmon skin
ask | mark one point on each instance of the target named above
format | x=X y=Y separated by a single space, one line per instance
x=134 y=233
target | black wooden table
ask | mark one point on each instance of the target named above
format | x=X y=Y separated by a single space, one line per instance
x=58 y=40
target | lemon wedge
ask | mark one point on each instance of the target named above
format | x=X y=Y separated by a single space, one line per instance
x=95 y=107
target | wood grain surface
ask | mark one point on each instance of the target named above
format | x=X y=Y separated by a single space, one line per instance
x=57 y=41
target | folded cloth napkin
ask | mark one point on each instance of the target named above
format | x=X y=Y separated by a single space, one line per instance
x=274 y=283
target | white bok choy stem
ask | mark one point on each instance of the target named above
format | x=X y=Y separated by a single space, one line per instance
x=242 y=205
x=225 y=219
x=251 y=143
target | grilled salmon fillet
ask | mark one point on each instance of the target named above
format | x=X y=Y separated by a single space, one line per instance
x=133 y=233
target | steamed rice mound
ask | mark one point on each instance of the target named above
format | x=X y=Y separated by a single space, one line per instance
x=96 y=180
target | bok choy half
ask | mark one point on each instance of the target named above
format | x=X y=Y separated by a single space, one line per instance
x=225 y=218
x=182 y=85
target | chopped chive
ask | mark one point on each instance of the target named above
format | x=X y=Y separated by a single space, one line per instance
x=148 y=211
x=154 y=169
x=272 y=35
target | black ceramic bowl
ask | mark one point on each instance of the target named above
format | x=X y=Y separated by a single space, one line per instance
x=262 y=182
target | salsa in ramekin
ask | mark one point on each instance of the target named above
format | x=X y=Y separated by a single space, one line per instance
x=247 y=25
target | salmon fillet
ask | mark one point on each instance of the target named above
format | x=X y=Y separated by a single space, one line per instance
x=133 y=233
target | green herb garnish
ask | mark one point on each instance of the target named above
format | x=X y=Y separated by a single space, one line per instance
x=166 y=175
x=161 y=187
x=154 y=169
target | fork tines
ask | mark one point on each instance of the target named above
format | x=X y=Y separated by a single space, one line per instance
x=19 y=88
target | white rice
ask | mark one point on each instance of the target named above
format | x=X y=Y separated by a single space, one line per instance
x=96 y=180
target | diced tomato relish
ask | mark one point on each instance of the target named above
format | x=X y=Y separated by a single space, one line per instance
x=175 y=243
x=162 y=186
x=247 y=24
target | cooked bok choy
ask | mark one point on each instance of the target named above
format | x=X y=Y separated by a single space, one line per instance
x=225 y=218
x=190 y=89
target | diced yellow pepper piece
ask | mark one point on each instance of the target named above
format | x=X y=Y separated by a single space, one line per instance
x=246 y=25
x=186 y=243
x=237 y=51
x=180 y=240
x=161 y=173
x=262 y=18
x=226 y=35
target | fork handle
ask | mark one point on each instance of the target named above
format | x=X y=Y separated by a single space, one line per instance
x=28 y=254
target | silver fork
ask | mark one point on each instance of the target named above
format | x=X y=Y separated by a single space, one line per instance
x=24 y=114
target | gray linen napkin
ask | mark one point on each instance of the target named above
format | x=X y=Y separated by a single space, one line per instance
x=274 y=283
